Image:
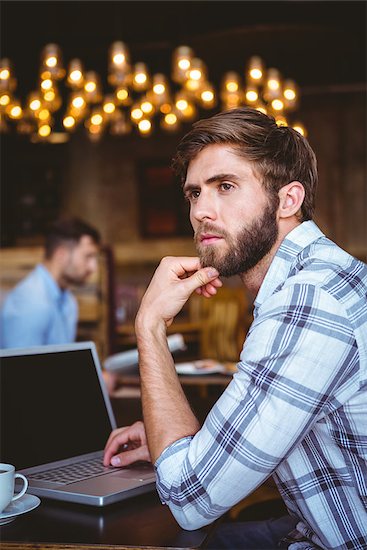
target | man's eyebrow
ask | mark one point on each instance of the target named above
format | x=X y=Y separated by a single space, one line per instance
x=188 y=187
x=212 y=179
x=221 y=177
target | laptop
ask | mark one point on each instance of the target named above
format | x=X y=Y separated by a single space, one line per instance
x=55 y=419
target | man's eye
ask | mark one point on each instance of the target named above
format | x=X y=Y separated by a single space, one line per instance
x=226 y=186
x=192 y=195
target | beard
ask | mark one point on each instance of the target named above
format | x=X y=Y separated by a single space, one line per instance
x=246 y=249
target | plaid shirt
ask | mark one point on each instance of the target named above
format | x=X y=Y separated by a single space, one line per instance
x=297 y=407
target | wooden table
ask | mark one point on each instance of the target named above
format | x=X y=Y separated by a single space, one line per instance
x=140 y=522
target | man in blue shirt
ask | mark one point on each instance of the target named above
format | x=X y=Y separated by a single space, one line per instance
x=40 y=309
x=296 y=407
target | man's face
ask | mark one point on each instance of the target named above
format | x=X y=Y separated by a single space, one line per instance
x=81 y=261
x=234 y=220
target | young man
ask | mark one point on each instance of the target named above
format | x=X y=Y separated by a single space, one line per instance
x=296 y=408
x=40 y=309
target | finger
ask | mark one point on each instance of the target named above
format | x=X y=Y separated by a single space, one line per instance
x=129 y=457
x=113 y=434
x=200 y=278
x=180 y=267
x=217 y=283
x=208 y=291
x=113 y=448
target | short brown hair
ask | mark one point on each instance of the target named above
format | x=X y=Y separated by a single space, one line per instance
x=68 y=231
x=280 y=154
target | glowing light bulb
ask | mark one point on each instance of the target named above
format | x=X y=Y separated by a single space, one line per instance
x=136 y=113
x=51 y=61
x=118 y=58
x=146 y=107
x=170 y=119
x=35 y=104
x=78 y=102
x=109 y=107
x=277 y=104
x=252 y=95
x=165 y=108
x=255 y=68
x=273 y=81
x=49 y=95
x=230 y=83
x=44 y=130
x=46 y=84
x=184 y=64
x=15 y=111
x=140 y=78
x=182 y=104
x=195 y=74
x=96 y=119
x=4 y=74
x=76 y=75
x=159 y=89
x=256 y=74
x=4 y=100
x=145 y=126
x=69 y=121
x=119 y=55
x=289 y=94
x=44 y=114
x=45 y=75
x=273 y=84
x=207 y=95
x=122 y=94
x=90 y=86
x=232 y=86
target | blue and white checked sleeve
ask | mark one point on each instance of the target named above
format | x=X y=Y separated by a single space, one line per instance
x=299 y=362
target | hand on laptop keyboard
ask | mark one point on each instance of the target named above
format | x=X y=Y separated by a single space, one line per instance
x=134 y=438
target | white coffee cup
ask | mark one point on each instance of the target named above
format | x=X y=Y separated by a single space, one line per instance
x=7 y=478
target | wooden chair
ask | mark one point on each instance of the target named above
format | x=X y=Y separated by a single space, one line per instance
x=224 y=320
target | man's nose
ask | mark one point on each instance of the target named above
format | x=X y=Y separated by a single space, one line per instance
x=205 y=208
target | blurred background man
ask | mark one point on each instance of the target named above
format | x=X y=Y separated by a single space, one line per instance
x=41 y=309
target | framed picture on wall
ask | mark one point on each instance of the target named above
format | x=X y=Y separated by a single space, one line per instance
x=163 y=209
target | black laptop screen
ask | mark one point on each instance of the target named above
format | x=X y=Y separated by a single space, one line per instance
x=51 y=407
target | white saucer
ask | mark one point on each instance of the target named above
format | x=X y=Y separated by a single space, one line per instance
x=198 y=368
x=24 y=504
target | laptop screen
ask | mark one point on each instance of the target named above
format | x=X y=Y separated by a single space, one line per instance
x=51 y=407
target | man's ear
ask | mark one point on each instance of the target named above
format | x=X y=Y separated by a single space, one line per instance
x=291 y=197
x=61 y=254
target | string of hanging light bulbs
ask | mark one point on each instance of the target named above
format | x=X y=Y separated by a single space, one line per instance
x=136 y=99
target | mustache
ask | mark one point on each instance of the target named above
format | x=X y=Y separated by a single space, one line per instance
x=207 y=227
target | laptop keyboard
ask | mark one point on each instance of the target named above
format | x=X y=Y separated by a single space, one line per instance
x=72 y=473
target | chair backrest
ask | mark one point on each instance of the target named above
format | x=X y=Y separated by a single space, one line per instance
x=225 y=319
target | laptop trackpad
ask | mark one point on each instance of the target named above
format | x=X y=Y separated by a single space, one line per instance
x=135 y=473
x=102 y=485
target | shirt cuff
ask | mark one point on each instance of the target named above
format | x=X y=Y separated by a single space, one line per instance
x=168 y=466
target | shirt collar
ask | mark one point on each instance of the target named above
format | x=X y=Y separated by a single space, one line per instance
x=53 y=288
x=296 y=240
